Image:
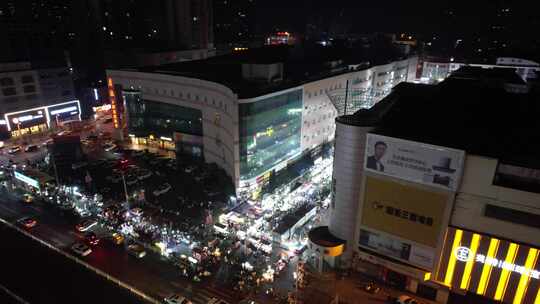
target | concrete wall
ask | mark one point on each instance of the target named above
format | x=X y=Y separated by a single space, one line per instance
x=51 y=86
x=477 y=190
x=347 y=180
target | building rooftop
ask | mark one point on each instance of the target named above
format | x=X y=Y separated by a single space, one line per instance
x=467 y=113
x=290 y=220
x=301 y=64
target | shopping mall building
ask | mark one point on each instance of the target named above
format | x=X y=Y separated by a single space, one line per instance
x=34 y=100
x=253 y=112
x=436 y=190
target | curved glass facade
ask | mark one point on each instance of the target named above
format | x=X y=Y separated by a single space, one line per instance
x=147 y=117
x=270 y=132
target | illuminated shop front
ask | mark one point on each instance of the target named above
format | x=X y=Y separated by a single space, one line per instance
x=490 y=267
x=162 y=125
x=40 y=119
x=269 y=133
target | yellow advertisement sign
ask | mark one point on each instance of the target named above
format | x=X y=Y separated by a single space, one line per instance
x=405 y=211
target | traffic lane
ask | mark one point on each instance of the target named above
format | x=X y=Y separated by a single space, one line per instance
x=52 y=277
x=150 y=274
x=147 y=273
x=22 y=157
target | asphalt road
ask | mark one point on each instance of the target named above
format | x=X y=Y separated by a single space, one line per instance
x=56 y=277
x=40 y=275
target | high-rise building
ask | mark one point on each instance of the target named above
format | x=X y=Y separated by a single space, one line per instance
x=85 y=29
x=234 y=21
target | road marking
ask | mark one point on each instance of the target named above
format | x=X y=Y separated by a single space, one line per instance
x=84 y=264
x=13 y=295
x=8 y=210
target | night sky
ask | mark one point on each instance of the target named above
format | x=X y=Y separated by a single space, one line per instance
x=395 y=15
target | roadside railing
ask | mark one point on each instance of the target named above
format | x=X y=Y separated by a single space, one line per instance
x=110 y=278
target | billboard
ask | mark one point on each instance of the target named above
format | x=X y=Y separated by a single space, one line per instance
x=497 y=269
x=394 y=248
x=404 y=211
x=417 y=162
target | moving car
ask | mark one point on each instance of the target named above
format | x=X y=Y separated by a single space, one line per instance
x=81 y=249
x=109 y=147
x=14 y=150
x=162 y=189
x=85 y=225
x=136 y=251
x=27 y=198
x=31 y=148
x=117 y=238
x=91 y=238
x=28 y=222
x=176 y=299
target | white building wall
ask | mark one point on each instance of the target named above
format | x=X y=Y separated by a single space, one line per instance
x=319 y=113
x=217 y=103
x=477 y=190
x=347 y=183
x=48 y=86
x=21 y=100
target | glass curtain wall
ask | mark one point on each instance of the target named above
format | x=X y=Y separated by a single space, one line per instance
x=147 y=117
x=269 y=132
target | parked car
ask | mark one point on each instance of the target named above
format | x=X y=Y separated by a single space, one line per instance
x=31 y=148
x=78 y=165
x=136 y=212
x=176 y=299
x=404 y=299
x=115 y=178
x=136 y=251
x=216 y=301
x=144 y=174
x=85 y=225
x=28 y=222
x=81 y=249
x=162 y=189
x=14 y=150
x=131 y=180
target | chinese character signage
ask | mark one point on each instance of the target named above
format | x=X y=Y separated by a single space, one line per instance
x=417 y=162
x=404 y=211
x=497 y=269
x=413 y=254
x=114 y=104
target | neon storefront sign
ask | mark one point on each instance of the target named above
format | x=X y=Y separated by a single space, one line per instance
x=27 y=180
x=39 y=112
x=465 y=254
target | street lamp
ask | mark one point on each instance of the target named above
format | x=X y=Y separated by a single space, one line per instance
x=123 y=167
